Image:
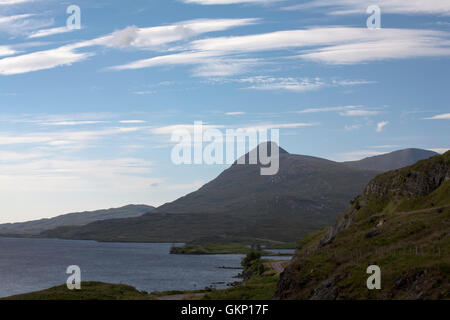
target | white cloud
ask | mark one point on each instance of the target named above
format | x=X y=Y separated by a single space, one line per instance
x=182 y=127
x=329 y=109
x=444 y=116
x=221 y=67
x=49 y=32
x=333 y=45
x=12 y=2
x=340 y=7
x=350 y=82
x=41 y=60
x=7 y=51
x=289 y=84
x=63 y=137
x=235 y=113
x=172 y=59
x=269 y=126
x=381 y=125
x=440 y=150
x=71 y=123
x=132 y=121
x=346 y=111
x=219 y=2
x=10 y=156
x=23 y=23
x=358 y=113
x=380 y=49
x=154 y=37
x=141 y=38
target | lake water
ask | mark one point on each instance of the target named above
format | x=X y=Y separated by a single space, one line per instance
x=35 y=264
x=291 y=251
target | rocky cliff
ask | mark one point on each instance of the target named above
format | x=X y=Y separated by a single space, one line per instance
x=401 y=223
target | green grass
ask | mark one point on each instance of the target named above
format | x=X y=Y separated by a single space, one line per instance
x=211 y=248
x=88 y=291
x=259 y=288
x=224 y=248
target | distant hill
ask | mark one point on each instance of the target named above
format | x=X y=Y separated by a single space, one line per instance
x=393 y=160
x=401 y=223
x=72 y=219
x=306 y=194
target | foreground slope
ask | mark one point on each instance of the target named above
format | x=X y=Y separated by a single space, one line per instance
x=305 y=195
x=72 y=219
x=401 y=223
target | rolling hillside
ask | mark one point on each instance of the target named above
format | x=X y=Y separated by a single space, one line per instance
x=72 y=219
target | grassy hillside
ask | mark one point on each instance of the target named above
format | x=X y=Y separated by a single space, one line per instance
x=401 y=223
x=89 y=291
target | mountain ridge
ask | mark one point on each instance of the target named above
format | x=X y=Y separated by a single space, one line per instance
x=241 y=205
x=392 y=160
x=35 y=227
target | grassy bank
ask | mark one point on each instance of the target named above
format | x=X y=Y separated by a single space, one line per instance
x=89 y=291
x=227 y=248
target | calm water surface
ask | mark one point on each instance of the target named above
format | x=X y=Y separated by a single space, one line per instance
x=34 y=264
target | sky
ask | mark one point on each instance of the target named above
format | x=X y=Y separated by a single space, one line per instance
x=86 y=114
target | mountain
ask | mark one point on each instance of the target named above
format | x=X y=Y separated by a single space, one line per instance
x=306 y=194
x=393 y=160
x=72 y=219
x=401 y=223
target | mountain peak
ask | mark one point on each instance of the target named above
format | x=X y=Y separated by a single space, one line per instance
x=271 y=145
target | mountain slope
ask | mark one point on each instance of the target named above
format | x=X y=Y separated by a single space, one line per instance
x=73 y=219
x=305 y=195
x=401 y=223
x=393 y=160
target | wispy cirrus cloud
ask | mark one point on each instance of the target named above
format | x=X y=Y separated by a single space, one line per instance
x=331 y=45
x=359 y=113
x=225 y=2
x=346 y=111
x=41 y=60
x=443 y=116
x=130 y=37
x=235 y=113
x=13 y=2
x=344 y=7
x=329 y=109
x=49 y=32
x=20 y=24
x=289 y=84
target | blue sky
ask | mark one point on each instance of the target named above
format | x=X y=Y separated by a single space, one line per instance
x=86 y=114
